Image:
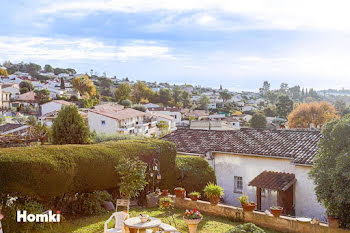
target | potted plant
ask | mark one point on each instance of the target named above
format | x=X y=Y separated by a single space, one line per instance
x=213 y=192
x=192 y=218
x=246 y=205
x=333 y=222
x=165 y=202
x=194 y=196
x=151 y=200
x=276 y=210
x=179 y=192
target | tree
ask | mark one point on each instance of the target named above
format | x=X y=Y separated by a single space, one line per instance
x=225 y=95
x=69 y=127
x=105 y=85
x=139 y=107
x=177 y=94
x=284 y=106
x=164 y=127
x=123 y=92
x=71 y=71
x=258 y=121
x=3 y=72
x=186 y=99
x=141 y=91
x=32 y=120
x=270 y=111
x=84 y=85
x=132 y=172
x=43 y=95
x=25 y=86
x=203 y=102
x=62 y=86
x=330 y=170
x=340 y=106
x=295 y=92
x=48 y=69
x=164 y=96
x=283 y=88
x=126 y=103
x=265 y=89
x=316 y=113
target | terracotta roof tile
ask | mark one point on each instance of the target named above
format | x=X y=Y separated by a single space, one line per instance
x=301 y=146
x=273 y=180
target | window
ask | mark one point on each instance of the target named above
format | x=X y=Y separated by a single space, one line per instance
x=263 y=192
x=103 y=122
x=238 y=184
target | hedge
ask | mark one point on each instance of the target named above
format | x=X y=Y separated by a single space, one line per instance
x=193 y=173
x=50 y=171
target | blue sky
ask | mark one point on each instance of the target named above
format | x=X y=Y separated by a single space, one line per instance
x=238 y=44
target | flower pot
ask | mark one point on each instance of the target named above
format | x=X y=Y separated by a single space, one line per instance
x=165 y=204
x=248 y=207
x=179 y=193
x=165 y=192
x=194 y=198
x=214 y=200
x=333 y=222
x=192 y=224
x=276 y=212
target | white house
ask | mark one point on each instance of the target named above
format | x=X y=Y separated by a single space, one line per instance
x=170 y=121
x=113 y=118
x=173 y=112
x=54 y=105
x=248 y=108
x=13 y=91
x=270 y=166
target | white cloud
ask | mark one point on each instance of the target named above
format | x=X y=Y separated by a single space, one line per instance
x=259 y=14
x=27 y=48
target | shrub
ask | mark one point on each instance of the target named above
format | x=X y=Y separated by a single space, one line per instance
x=195 y=194
x=50 y=171
x=98 y=138
x=246 y=228
x=69 y=127
x=88 y=203
x=140 y=107
x=258 y=121
x=126 y=103
x=193 y=173
x=213 y=190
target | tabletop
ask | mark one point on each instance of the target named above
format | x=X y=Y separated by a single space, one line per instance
x=136 y=223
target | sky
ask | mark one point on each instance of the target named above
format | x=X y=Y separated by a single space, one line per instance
x=238 y=44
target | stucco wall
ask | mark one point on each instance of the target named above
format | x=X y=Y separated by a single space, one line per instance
x=227 y=166
x=49 y=107
x=110 y=126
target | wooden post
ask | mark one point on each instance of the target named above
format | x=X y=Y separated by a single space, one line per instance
x=258 y=197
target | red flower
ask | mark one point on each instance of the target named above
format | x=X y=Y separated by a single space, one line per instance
x=194 y=210
x=58 y=212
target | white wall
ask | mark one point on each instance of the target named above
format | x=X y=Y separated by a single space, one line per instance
x=50 y=107
x=110 y=126
x=227 y=166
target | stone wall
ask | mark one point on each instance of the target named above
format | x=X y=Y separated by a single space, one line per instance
x=283 y=224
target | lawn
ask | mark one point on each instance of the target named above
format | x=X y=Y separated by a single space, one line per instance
x=209 y=224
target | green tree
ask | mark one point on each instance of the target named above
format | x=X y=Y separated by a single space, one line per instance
x=141 y=91
x=295 y=92
x=69 y=127
x=126 y=103
x=43 y=95
x=225 y=95
x=123 y=92
x=48 y=69
x=340 y=106
x=105 y=85
x=265 y=89
x=270 y=111
x=258 y=121
x=284 y=106
x=164 y=127
x=165 y=96
x=330 y=170
x=62 y=86
x=186 y=99
x=26 y=84
x=140 y=107
x=84 y=85
x=3 y=72
x=177 y=94
x=203 y=102
x=132 y=174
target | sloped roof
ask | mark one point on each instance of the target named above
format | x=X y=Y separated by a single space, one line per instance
x=63 y=102
x=300 y=146
x=28 y=96
x=273 y=180
x=118 y=114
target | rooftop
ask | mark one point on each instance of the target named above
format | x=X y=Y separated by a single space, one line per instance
x=300 y=146
x=116 y=112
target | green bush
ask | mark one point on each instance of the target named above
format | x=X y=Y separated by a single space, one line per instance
x=246 y=228
x=49 y=171
x=98 y=138
x=193 y=173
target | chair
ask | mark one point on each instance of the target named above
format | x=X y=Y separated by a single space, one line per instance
x=122 y=202
x=119 y=218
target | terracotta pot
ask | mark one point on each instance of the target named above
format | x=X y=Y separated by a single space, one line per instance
x=333 y=222
x=214 y=200
x=276 y=212
x=248 y=207
x=192 y=224
x=179 y=193
x=194 y=198
x=165 y=192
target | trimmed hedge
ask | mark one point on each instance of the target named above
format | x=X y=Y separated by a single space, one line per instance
x=193 y=173
x=50 y=171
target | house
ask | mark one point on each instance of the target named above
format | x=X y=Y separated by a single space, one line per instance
x=14 y=91
x=212 y=105
x=112 y=118
x=270 y=166
x=48 y=118
x=173 y=112
x=27 y=99
x=249 y=108
x=5 y=99
x=198 y=114
x=170 y=121
x=150 y=105
x=53 y=106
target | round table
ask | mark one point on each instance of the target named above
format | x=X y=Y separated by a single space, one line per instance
x=135 y=225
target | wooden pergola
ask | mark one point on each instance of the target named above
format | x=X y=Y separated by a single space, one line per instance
x=281 y=182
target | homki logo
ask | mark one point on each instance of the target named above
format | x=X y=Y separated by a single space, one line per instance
x=47 y=216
